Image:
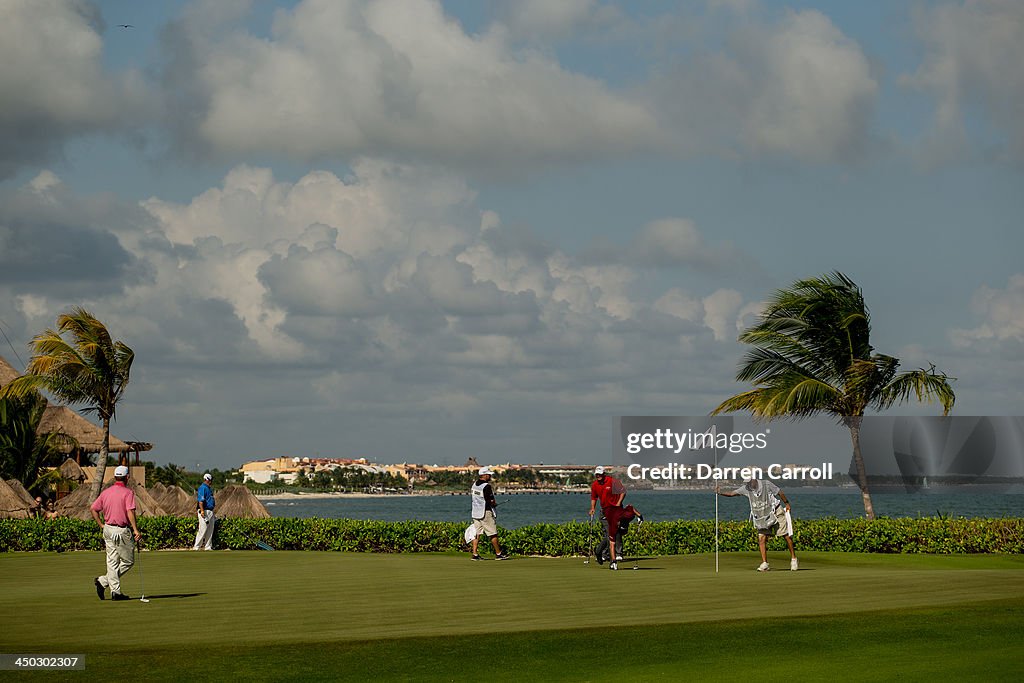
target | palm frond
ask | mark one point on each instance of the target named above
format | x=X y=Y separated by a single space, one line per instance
x=793 y=396
x=924 y=385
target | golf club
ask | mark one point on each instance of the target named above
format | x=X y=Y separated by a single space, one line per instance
x=592 y=539
x=142 y=577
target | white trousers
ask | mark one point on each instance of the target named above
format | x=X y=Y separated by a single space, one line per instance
x=120 y=543
x=204 y=536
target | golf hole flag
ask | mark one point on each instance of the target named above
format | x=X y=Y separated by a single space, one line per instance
x=470 y=533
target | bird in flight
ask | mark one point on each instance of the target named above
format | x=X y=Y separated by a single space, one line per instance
x=125 y=26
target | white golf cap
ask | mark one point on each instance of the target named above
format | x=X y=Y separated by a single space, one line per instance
x=208 y=477
x=484 y=470
x=120 y=471
x=599 y=469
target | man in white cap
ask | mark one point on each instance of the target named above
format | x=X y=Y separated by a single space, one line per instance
x=768 y=514
x=116 y=504
x=484 y=519
x=611 y=492
x=204 y=509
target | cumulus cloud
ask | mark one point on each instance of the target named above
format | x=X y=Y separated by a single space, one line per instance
x=386 y=295
x=53 y=83
x=796 y=88
x=672 y=243
x=52 y=240
x=338 y=79
x=543 y=21
x=974 y=50
x=1002 y=318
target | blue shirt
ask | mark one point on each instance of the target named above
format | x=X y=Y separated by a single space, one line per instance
x=205 y=496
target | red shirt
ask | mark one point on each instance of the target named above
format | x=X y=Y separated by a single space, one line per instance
x=114 y=504
x=608 y=492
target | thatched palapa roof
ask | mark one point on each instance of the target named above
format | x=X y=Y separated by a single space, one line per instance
x=237 y=501
x=11 y=504
x=77 y=503
x=7 y=372
x=22 y=492
x=145 y=503
x=69 y=469
x=88 y=435
x=178 y=502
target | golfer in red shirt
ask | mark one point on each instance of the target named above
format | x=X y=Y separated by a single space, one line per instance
x=117 y=505
x=610 y=492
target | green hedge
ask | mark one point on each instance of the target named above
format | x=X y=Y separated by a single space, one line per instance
x=898 y=535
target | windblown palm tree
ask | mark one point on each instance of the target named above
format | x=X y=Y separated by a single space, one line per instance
x=90 y=369
x=812 y=354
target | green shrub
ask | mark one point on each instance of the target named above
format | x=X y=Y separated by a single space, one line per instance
x=932 y=535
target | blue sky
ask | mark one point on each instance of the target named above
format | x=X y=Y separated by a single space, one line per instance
x=427 y=231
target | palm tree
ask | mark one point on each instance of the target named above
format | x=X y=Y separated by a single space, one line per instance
x=24 y=451
x=90 y=369
x=812 y=354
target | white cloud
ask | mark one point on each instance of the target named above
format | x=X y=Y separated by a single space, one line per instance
x=543 y=20
x=797 y=88
x=389 y=295
x=973 y=67
x=672 y=243
x=721 y=313
x=1002 y=316
x=680 y=304
x=338 y=78
x=53 y=83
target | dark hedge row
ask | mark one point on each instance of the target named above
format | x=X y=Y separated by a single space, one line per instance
x=899 y=535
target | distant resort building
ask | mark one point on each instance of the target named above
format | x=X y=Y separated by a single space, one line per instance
x=286 y=469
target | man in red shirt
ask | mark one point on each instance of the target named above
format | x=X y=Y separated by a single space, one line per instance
x=610 y=492
x=117 y=505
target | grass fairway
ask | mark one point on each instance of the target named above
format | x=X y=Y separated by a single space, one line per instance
x=339 y=616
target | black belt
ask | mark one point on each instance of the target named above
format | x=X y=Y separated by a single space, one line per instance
x=120 y=526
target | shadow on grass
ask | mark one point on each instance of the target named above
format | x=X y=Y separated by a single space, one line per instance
x=166 y=596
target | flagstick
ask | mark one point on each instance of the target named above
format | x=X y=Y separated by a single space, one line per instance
x=714 y=443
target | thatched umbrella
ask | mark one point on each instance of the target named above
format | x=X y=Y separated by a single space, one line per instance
x=157 y=490
x=237 y=501
x=7 y=372
x=145 y=504
x=11 y=504
x=89 y=437
x=77 y=503
x=22 y=492
x=72 y=471
x=176 y=501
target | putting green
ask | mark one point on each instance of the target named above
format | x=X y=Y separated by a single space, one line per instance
x=238 y=602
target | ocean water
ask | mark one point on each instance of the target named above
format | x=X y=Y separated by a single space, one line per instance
x=525 y=509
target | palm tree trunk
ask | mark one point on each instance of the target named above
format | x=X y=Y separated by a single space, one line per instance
x=101 y=461
x=858 y=460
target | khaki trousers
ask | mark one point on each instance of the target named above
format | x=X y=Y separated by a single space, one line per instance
x=120 y=542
